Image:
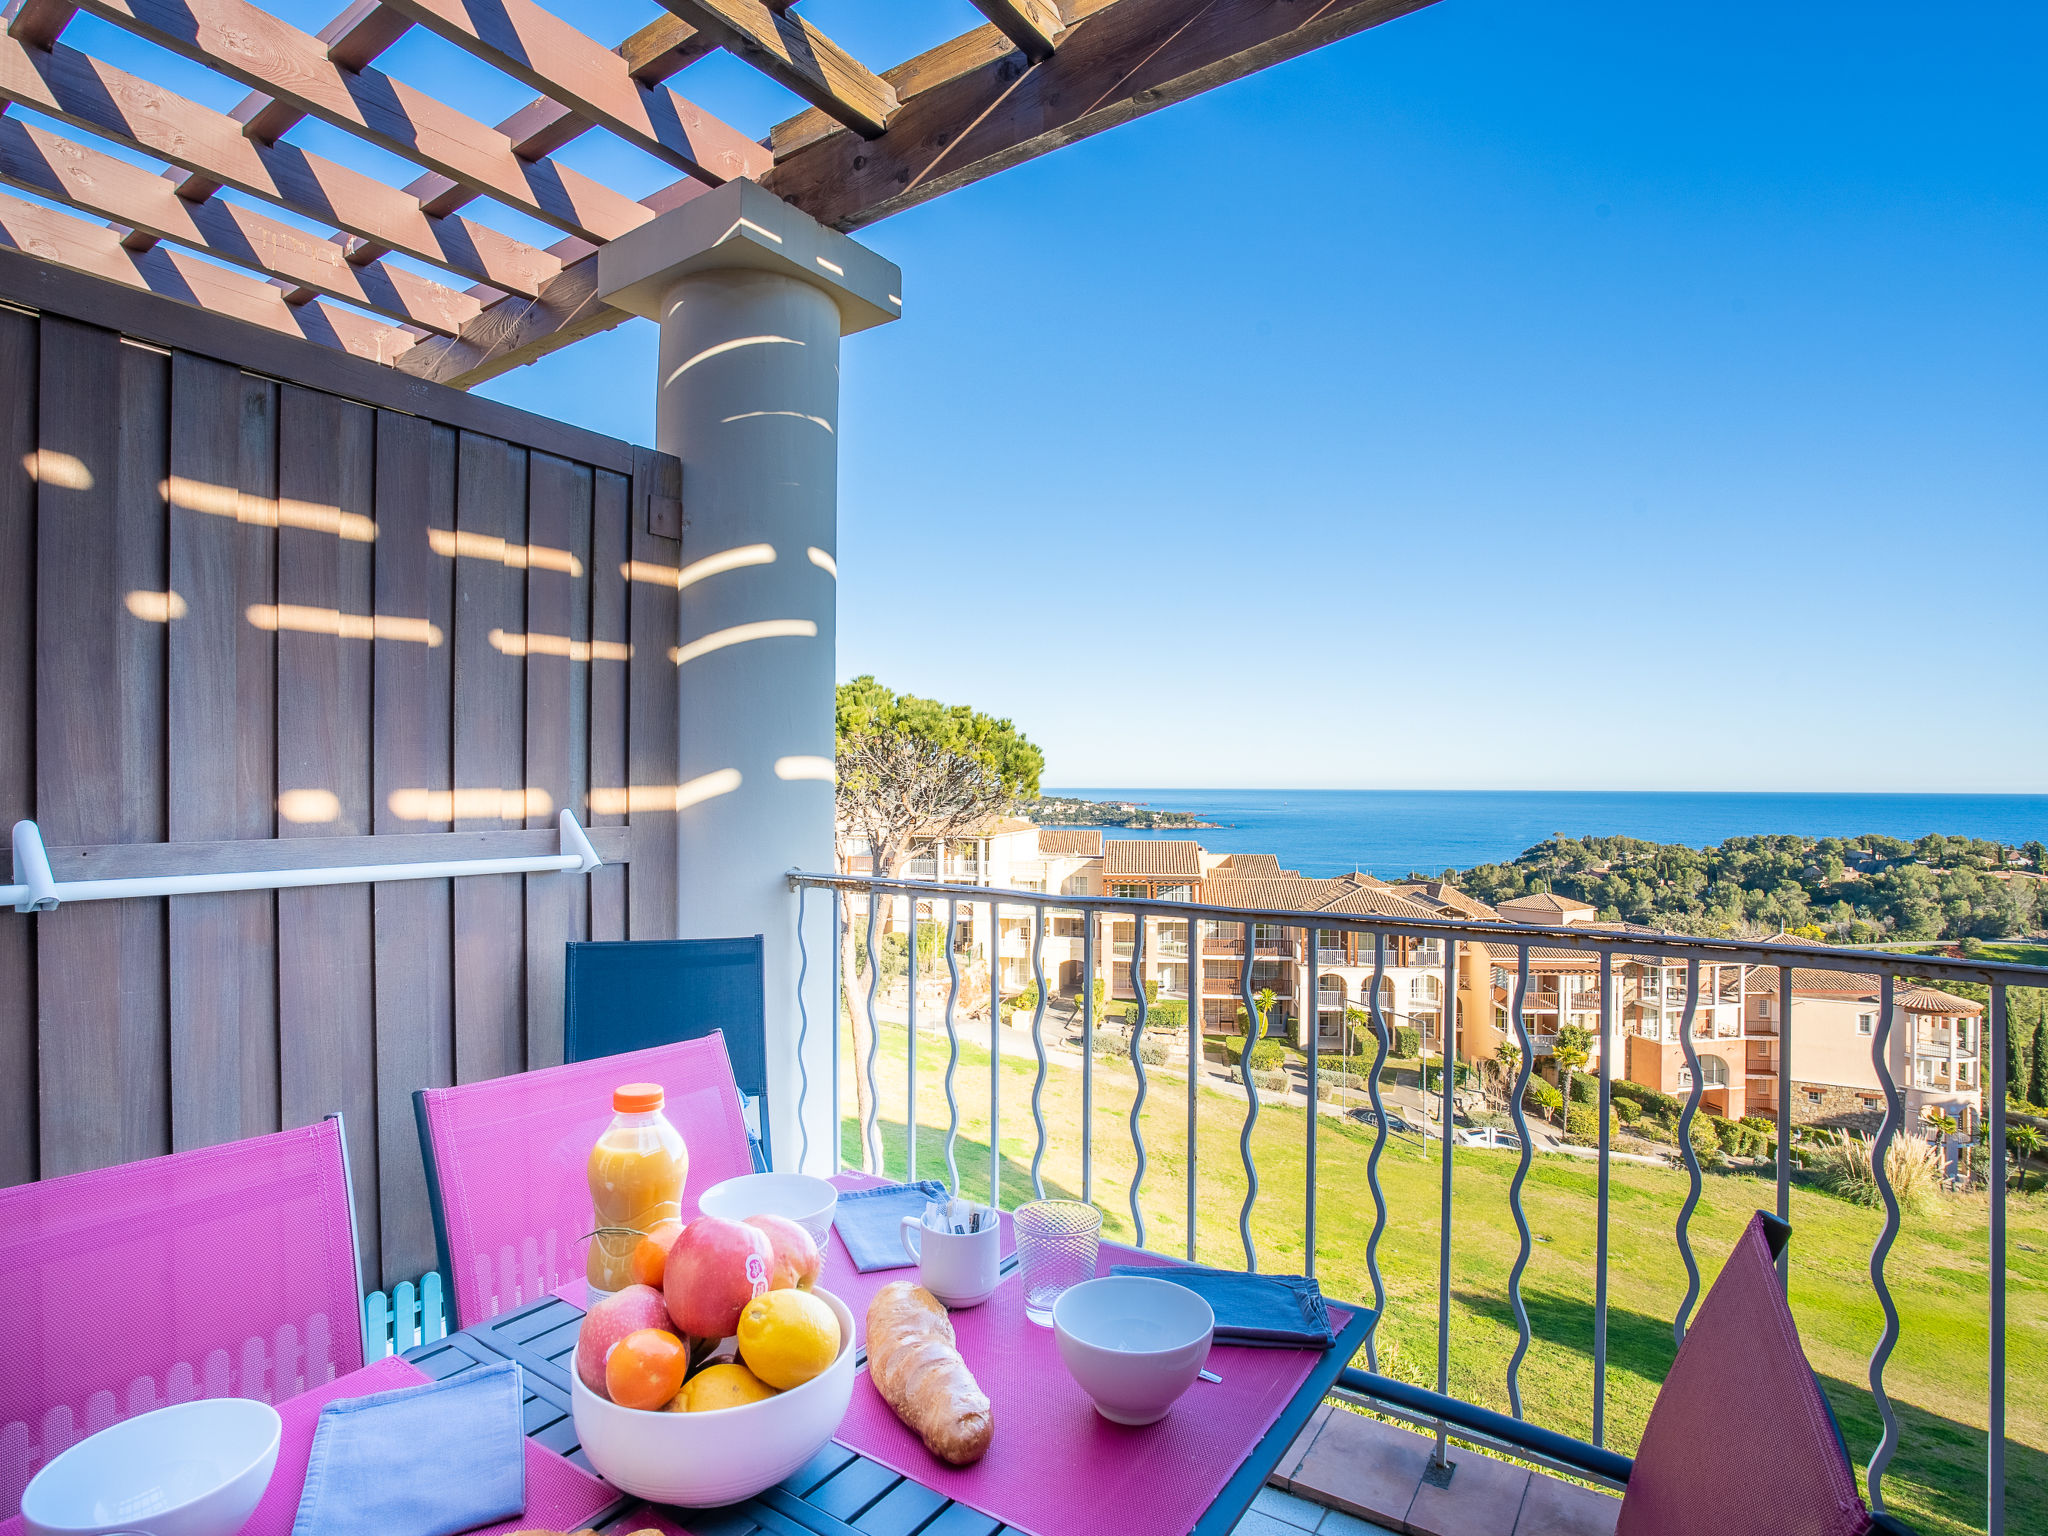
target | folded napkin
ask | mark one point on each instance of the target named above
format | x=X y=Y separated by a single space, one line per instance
x=418 y=1461
x=870 y=1221
x=1262 y=1311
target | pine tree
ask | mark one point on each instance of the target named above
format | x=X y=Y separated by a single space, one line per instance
x=2037 y=1083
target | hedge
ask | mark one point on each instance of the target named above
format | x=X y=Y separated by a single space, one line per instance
x=1407 y=1041
x=1266 y=1055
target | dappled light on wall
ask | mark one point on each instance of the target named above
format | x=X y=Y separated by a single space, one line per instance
x=343 y=626
x=456 y=544
x=823 y=561
x=656 y=574
x=819 y=768
x=309 y=805
x=560 y=645
x=486 y=803
x=739 y=634
x=45 y=466
x=626 y=799
x=156 y=607
x=263 y=512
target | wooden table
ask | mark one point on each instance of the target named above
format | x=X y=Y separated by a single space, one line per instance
x=839 y=1492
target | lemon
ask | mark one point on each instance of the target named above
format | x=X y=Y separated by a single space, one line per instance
x=726 y=1385
x=787 y=1337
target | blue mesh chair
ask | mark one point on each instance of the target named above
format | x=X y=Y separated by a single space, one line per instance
x=627 y=996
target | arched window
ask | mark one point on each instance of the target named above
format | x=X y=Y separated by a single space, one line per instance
x=1714 y=1071
x=1330 y=992
x=1425 y=989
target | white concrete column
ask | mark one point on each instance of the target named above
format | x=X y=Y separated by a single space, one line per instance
x=752 y=298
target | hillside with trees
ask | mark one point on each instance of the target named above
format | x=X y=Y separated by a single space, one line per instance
x=1861 y=890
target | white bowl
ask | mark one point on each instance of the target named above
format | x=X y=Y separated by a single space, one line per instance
x=195 y=1469
x=1133 y=1343
x=725 y=1454
x=804 y=1200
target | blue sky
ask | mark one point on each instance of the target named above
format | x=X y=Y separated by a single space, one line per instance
x=1584 y=395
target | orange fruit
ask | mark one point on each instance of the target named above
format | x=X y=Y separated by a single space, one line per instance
x=649 y=1258
x=720 y=1386
x=646 y=1369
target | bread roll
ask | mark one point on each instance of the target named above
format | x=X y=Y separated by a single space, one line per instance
x=914 y=1365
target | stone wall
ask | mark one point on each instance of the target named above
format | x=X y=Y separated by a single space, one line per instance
x=1841 y=1109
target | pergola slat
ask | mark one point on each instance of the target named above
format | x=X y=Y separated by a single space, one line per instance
x=793 y=53
x=78 y=89
x=1125 y=59
x=69 y=242
x=1032 y=25
x=252 y=46
x=39 y=22
x=56 y=167
x=563 y=64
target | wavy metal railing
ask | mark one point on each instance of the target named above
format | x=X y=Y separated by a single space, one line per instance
x=803 y=1034
x=1383 y=1040
x=1880 y=1170
x=952 y=1042
x=1254 y=1032
x=1520 y=1024
x=872 y=1135
x=1138 y=1066
x=1688 y=1151
x=1649 y=949
x=1038 y=1045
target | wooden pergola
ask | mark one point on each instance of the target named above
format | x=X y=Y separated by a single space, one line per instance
x=1040 y=74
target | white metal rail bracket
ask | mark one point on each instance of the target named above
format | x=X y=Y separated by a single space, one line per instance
x=36 y=890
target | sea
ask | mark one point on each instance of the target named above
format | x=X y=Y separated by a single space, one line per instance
x=1391 y=832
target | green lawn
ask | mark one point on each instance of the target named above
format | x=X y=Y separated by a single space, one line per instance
x=1937 y=1376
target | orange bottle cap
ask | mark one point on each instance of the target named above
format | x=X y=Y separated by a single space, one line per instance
x=636 y=1098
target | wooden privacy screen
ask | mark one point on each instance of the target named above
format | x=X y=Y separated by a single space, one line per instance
x=234 y=608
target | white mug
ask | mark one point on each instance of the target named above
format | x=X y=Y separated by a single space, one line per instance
x=959 y=1268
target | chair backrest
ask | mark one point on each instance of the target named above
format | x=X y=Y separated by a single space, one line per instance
x=229 y=1271
x=1740 y=1437
x=632 y=995
x=506 y=1163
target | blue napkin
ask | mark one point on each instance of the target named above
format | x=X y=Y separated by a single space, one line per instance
x=1261 y=1311
x=418 y=1461
x=870 y=1221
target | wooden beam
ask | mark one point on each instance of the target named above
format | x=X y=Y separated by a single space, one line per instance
x=53 y=166
x=564 y=65
x=250 y=45
x=78 y=89
x=94 y=249
x=37 y=23
x=663 y=47
x=1124 y=59
x=1032 y=25
x=793 y=53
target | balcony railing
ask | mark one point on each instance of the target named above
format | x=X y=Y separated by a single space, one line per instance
x=1444 y=1414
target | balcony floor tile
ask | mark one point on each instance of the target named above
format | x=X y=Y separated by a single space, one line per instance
x=1556 y=1508
x=1485 y=1496
x=1365 y=1468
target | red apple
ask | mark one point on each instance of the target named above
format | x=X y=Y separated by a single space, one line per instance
x=623 y=1312
x=797 y=1260
x=714 y=1269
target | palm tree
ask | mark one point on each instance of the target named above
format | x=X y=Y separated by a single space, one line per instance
x=1572 y=1050
x=1508 y=1057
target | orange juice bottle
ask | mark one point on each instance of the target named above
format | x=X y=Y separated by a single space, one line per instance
x=636 y=1172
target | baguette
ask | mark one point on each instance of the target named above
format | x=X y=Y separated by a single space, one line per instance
x=915 y=1366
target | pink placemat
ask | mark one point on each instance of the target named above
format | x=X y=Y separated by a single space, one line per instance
x=1111 y=1480
x=559 y=1494
x=857 y=1289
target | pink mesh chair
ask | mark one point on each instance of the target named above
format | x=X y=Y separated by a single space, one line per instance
x=225 y=1272
x=1740 y=1395
x=505 y=1163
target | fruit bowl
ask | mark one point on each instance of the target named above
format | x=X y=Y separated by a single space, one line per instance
x=723 y=1455
x=195 y=1469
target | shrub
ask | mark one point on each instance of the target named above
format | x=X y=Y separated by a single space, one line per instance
x=1166 y=1016
x=1582 y=1124
x=1543 y=1095
x=1706 y=1141
x=1407 y=1041
x=1027 y=1000
x=1325 y=1078
x=1266 y=1055
x=1271 y=1082
x=1585 y=1089
x=1625 y=1110
x=1648 y=1099
x=1153 y=1053
x=1845 y=1168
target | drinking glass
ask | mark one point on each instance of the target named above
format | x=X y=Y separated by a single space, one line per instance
x=1057 y=1241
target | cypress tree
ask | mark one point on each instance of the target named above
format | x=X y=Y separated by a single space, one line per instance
x=2015 y=1054
x=2037 y=1084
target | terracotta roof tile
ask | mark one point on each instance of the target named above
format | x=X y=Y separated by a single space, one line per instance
x=1151 y=856
x=1070 y=842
